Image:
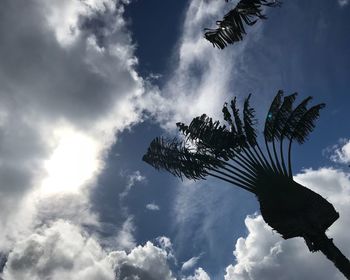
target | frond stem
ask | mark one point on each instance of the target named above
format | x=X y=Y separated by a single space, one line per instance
x=249 y=184
x=232 y=182
x=290 y=173
x=285 y=172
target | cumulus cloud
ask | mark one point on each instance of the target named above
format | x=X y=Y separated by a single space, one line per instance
x=166 y=244
x=146 y=262
x=339 y=153
x=64 y=251
x=67 y=85
x=263 y=254
x=199 y=274
x=58 y=251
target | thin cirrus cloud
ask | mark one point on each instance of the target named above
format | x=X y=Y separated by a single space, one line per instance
x=343 y=3
x=199 y=82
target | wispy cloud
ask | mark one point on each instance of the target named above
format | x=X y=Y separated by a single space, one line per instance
x=339 y=153
x=343 y=3
x=132 y=179
x=192 y=262
x=153 y=207
x=201 y=77
x=199 y=274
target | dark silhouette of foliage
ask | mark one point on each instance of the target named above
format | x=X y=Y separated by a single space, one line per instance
x=232 y=153
x=231 y=28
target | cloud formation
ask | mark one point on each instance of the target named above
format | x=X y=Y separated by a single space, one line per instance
x=192 y=262
x=339 y=153
x=152 y=206
x=199 y=274
x=343 y=3
x=263 y=254
x=65 y=251
x=201 y=77
x=59 y=251
x=67 y=85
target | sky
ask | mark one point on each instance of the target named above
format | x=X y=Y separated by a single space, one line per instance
x=85 y=85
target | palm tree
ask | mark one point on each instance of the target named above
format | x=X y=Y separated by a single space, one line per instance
x=233 y=154
x=231 y=28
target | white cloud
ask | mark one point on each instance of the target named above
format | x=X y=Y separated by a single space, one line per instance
x=59 y=251
x=125 y=238
x=152 y=206
x=192 y=262
x=199 y=274
x=146 y=262
x=64 y=251
x=67 y=86
x=132 y=179
x=165 y=244
x=263 y=254
x=343 y=3
x=339 y=153
x=201 y=77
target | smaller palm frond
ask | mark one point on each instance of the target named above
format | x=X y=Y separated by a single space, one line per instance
x=210 y=136
x=294 y=118
x=231 y=28
x=283 y=115
x=272 y=116
x=306 y=124
x=237 y=119
x=228 y=117
x=284 y=121
x=177 y=158
x=249 y=122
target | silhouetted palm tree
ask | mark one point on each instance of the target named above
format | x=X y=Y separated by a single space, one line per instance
x=231 y=28
x=232 y=153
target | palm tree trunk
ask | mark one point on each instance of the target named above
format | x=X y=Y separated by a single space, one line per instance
x=327 y=247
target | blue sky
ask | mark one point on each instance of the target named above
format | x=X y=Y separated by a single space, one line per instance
x=86 y=85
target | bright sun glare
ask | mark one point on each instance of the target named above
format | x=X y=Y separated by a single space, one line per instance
x=72 y=163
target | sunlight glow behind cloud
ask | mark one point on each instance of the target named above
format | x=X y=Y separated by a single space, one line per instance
x=72 y=163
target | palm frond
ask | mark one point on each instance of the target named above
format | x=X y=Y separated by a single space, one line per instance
x=228 y=117
x=249 y=122
x=210 y=136
x=283 y=115
x=269 y=130
x=238 y=121
x=294 y=118
x=175 y=157
x=306 y=124
x=231 y=28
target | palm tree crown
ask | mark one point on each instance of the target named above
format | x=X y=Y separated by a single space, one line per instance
x=233 y=154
